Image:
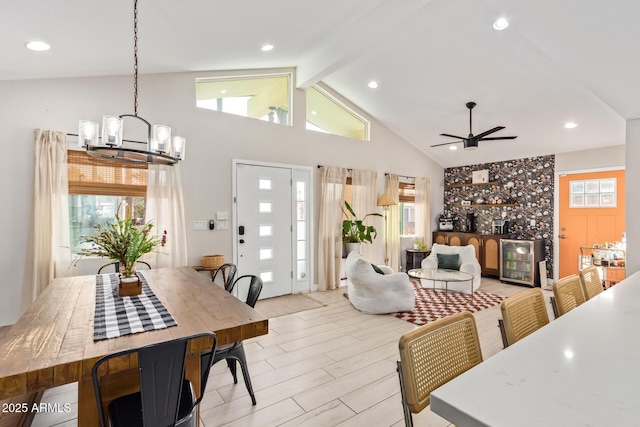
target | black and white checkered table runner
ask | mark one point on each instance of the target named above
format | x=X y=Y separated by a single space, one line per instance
x=116 y=316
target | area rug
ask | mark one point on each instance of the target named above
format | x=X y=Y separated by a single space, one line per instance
x=430 y=304
x=286 y=304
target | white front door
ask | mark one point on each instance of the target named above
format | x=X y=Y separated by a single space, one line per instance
x=264 y=228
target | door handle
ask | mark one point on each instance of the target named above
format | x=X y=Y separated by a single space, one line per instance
x=562 y=236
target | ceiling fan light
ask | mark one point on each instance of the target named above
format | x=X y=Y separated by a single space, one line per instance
x=471 y=148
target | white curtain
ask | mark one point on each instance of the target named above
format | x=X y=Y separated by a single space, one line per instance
x=165 y=208
x=393 y=222
x=365 y=200
x=423 y=210
x=50 y=248
x=333 y=184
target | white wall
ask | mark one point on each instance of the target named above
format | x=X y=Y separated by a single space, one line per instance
x=633 y=197
x=213 y=140
x=600 y=158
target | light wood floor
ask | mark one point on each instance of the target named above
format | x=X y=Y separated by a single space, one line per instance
x=330 y=366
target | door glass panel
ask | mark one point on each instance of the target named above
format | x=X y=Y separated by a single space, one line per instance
x=266 y=254
x=266 y=276
x=300 y=187
x=265 y=230
x=264 y=184
x=264 y=207
x=302 y=246
x=302 y=230
x=300 y=210
x=302 y=270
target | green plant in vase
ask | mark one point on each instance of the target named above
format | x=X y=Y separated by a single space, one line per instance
x=354 y=230
x=123 y=241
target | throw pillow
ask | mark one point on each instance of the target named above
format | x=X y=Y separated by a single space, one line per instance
x=377 y=269
x=449 y=261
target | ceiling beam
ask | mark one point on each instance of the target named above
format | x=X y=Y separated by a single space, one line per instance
x=345 y=45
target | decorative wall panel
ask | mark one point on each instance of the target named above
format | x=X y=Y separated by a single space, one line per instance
x=520 y=191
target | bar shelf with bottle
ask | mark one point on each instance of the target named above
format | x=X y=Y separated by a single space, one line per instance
x=611 y=262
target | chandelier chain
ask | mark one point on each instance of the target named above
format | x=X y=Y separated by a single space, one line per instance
x=135 y=58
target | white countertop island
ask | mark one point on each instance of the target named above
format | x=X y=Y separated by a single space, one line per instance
x=583 y=369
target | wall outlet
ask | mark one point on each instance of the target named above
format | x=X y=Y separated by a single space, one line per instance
x=223 y=225
x=200 y=225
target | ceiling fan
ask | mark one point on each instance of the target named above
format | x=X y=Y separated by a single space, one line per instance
x=471 y=141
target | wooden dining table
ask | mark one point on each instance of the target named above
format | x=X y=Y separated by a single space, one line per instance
x=52 y=343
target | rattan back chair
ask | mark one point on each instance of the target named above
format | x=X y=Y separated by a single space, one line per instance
x=434 y=354
x=591 y=282
x=567 y=294
x=522 y=314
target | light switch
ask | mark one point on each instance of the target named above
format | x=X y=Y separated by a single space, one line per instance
x=532 y=222
x=223 y=225
x=200 y=225
x=222 y=216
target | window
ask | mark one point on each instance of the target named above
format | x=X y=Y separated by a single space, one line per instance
x=327 y=114
x=594 y=193
x=407 y=198
x=97 y=187
x=260 y=97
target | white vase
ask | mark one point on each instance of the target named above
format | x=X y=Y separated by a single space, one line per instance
x=352 y=247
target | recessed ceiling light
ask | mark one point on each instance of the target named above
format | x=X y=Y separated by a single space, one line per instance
x=266 y=47
x=373 y=84
x=38 y=46
x=500 y=24
x=570 y=125
x=223 y=91
x=314 y=113
x=453 y=148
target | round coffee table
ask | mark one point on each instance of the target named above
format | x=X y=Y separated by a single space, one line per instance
x=445 y=276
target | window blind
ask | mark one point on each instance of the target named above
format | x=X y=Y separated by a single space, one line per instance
x=407 y=192
x=91 y=175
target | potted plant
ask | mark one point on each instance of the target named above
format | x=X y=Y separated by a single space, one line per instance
x=354 y=231
x=419 y=245
x=125 y=242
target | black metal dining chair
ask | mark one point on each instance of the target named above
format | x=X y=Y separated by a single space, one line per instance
x=234 y=352
x=228 y=273
x=165 y=398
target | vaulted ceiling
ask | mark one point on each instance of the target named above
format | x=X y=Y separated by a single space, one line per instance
x=558 y=61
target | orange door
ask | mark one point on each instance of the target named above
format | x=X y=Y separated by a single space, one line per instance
x=586 y=226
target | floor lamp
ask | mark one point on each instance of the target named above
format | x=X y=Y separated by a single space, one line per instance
x=385 y=201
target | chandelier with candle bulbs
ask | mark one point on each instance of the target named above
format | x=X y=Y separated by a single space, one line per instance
x=161 y=147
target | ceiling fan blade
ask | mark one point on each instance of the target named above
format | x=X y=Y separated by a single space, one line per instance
x=495 y=138
x=446 y=143
x=490 y=131
x=452 y=136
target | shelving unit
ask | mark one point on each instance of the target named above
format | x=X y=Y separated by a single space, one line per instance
x=473 y=185
x=611 y=263
x=487 y=205
x=519 y=261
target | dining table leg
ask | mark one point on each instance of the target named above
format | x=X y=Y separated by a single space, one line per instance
x=87 y=408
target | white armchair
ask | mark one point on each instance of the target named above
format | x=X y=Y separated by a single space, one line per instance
x=375 y=293
x=468 y=264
